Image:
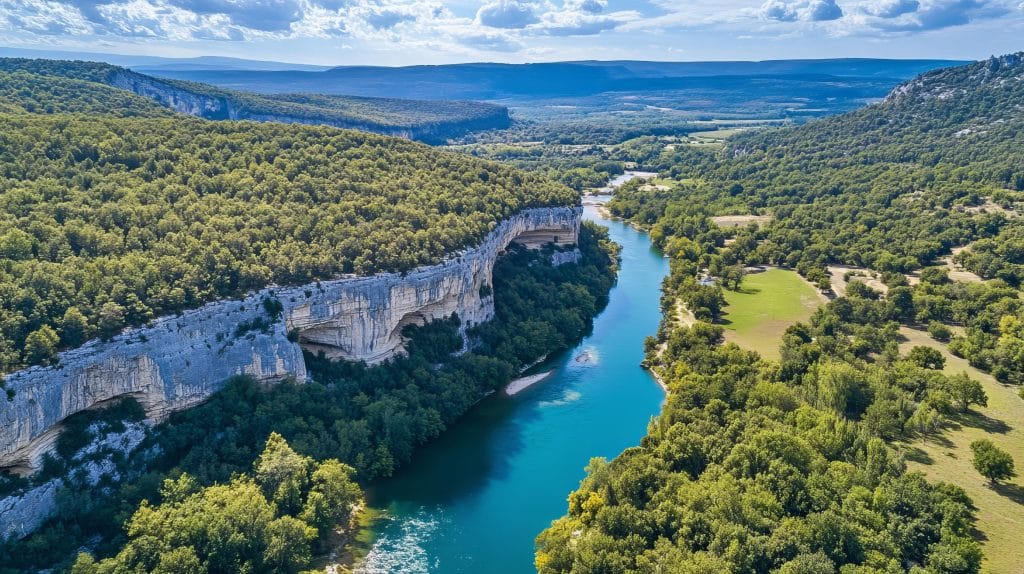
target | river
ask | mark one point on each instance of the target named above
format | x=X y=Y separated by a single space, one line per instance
x=475 y=499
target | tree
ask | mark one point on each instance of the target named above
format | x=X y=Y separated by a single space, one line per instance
x=992 y=462
x=817 y=563
x=41 y=345
x=927 y=358
x=111 y=319
x=939 y=332
x=966 y=391
x=902 y=298
x=333 y=495
x=74 y=328
x=925 y=421
x=283 y=474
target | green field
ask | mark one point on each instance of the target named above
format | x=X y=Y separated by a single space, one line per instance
x=1000 y=511
x=766 y=304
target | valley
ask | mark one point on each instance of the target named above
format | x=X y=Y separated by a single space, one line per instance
x=242 y=334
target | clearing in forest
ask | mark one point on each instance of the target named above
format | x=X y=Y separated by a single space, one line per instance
x=947 y=457
x=767 y=303
x=731 y=221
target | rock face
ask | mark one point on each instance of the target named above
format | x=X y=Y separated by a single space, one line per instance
x=23 y=513
x=225 y=107
x=177 y=362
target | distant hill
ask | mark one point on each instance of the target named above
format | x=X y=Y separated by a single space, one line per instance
x=488 y=81
x=965 y=116
x=431 y=121
x=142 y=63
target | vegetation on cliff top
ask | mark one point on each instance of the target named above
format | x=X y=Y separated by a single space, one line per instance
x=107 y=222
x=429 y=120
x=371 y=418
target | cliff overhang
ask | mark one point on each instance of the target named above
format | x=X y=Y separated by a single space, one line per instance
x=178 y=361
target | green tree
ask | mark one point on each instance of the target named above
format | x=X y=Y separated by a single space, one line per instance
x=332 y=496
x=966 y=391
x=283 y=474
x=111 y=319
x=939 y=331
x=927 y=358
x=74 y=328
x=992 y=462
x=41 y=345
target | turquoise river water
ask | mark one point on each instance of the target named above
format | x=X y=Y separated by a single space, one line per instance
x=475 y=499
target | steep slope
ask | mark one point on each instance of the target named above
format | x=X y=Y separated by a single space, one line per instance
x=24 y=92
x=432 y=121
x=109 y=222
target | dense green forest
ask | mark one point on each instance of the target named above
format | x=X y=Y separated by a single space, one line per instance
x=25 y=92
x=892 y=188
x=369 y=418
x=763 y=466
x=107 y=222
x=427 y=120
x=268 y=521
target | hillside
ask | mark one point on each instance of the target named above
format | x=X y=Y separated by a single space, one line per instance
x=432 y=121
x=24 y=92
x=556 y=79
x=109 y=222
x=801 y=464
x=605 y=102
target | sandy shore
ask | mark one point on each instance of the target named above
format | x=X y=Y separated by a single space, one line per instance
x=521 y=384
x=657 y=378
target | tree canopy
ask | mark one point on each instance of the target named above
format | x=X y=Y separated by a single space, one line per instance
x=107 y=222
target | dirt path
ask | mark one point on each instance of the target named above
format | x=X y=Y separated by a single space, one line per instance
x=957 y=273
x=837 y=276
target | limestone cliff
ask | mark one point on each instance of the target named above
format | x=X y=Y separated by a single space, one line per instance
x=177 y=362
x=214 y=104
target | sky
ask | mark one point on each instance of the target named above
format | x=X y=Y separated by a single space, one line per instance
x=401 y=32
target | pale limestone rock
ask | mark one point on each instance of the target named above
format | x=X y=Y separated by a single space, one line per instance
x=179 y=361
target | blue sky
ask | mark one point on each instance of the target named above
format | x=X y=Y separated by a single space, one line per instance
x=398 y=32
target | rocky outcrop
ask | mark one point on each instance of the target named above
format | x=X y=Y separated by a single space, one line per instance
x=21 y=514
x=204 y=102
x=177 y=362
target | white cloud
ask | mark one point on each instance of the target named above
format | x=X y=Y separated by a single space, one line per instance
x=801 y=10
x=416 y=29
x=890 y=8
x=511 y=14
x=582 y=18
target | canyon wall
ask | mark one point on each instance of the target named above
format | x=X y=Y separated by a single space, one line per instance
x=224 y=106
x=177 y=362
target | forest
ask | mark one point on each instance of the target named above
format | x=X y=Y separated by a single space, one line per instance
x=369 y=418
x=790 y=466
x=426 y=120
x=107 y=222
x=892 y=188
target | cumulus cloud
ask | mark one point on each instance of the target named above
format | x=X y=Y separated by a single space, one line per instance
x=265 y=15
x=582 y=18
x=510 y=14
x=823 y=11
x=801 y=10
x=890 y=8
x=386 y=19
x=924 y=15
x=589 y=6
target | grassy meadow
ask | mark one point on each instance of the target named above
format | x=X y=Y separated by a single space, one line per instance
x=766 y=304
x=947 y=457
